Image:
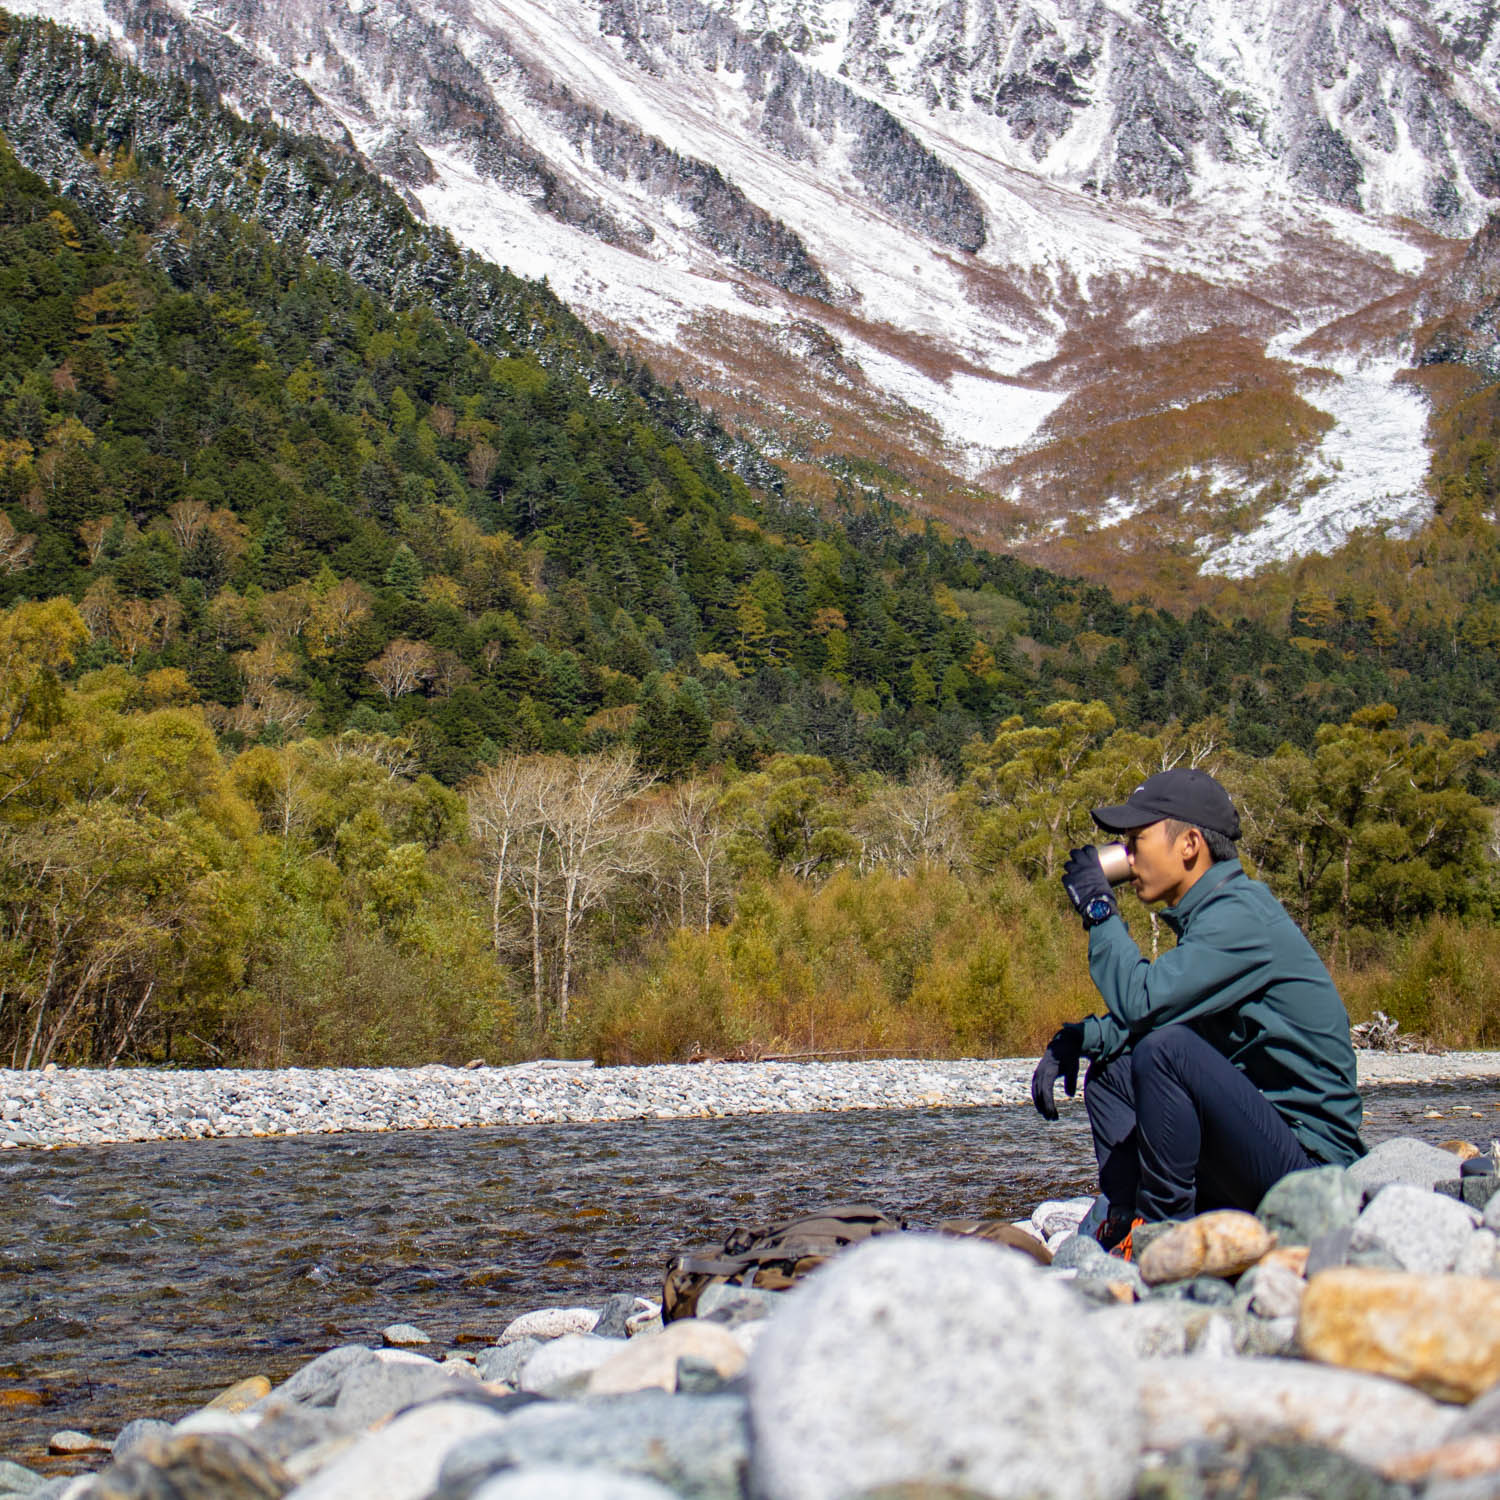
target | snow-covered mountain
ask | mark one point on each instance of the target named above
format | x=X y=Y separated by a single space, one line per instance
x=1089 y=276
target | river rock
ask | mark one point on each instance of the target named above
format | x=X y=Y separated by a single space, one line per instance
x=1060 y=1216
x=402 y=1460
x=550 y=1323
x=1438 y=1333
x=615 y=1315
x=652 y=1361
x=741 y=1304
x=1154 y=1329
x=242 y=1395
x=216 y=1467
x=1480 y=1256
x=562 y=1365
x=1222 y=1243
x=1271 y=1290
x=1402 y=1159
x=133 y=1434
x=1482 y=1415
x=697 y=1446
x=1188 y=1400
x=1420 y=1231
x=553 y=1482
x=69 y=1442
x=505 y=1361
x=319 y=1382
x=16 y=1480
x=1305 y=1205
x=1459 y=1458
x=1492 y=1214
x=404 y=1336
x=1082 y=1250
x=915 y=1357
x=285 y=1428
x=372 y=1392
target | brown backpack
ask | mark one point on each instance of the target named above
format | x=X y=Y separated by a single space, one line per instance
x=772 y=1257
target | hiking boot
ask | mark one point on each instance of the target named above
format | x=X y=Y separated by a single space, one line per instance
x=1125 y=1249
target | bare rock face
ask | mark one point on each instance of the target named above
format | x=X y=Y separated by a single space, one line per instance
x=1214 y=1244
x=1437 y=1333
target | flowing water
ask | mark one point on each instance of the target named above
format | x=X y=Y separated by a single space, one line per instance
x=138 y=1280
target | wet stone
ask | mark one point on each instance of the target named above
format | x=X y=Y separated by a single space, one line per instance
x=404 y=1336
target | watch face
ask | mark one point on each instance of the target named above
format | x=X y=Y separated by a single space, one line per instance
x=1099 y=908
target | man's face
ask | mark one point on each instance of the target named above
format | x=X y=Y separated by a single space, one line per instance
x=1161 y=872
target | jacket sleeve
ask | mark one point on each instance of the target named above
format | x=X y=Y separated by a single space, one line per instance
x=1216 y=966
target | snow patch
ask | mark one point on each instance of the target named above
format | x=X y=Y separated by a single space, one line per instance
x=1369 y=471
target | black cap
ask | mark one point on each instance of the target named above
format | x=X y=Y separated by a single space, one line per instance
x=1187 y=795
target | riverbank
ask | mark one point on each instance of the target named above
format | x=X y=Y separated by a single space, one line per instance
x=1335 y=1343
x=84 y=1107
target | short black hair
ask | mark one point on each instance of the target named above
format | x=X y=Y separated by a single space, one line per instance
x=1220 y=846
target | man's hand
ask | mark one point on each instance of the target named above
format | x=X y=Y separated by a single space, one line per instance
x=1060 y=1060
x=1083 y=878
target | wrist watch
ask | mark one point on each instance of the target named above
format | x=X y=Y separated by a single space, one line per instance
x=1100 y=908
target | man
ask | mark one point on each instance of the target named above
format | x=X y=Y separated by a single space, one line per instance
x=1226 y=1063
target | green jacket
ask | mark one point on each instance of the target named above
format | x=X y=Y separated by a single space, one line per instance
x=1244 y=978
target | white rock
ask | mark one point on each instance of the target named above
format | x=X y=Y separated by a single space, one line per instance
x=1215 y=1339
x=1286 y=1401
x=1425 y=1232
x=919 y=1357
x=552 y=1482
x=209 y=1420
x=550 y=1323
x=402 y=1460
x=1275 y=1290
x=1480 y=1256
x=564 y=1362
x=651 y=1362
x=1057 y=1216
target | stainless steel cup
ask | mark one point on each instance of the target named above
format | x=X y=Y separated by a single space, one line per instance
x=1115 y=863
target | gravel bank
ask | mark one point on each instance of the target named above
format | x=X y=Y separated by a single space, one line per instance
x=84 y=1107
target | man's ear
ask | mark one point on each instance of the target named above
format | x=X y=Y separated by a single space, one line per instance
x=1192 y=844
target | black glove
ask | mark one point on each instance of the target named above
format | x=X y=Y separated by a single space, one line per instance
x=1083 y=878
x=1060 y=1060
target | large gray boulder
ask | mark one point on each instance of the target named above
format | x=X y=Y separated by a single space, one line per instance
x=1406 y=1160
x=1304 y=1206
x=697 y=1446
x=1420 y=1231
x=915 y=1359
x=402 y=1460
x=556 y=1482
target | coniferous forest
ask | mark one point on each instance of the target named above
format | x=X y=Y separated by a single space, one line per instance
x=376 y=687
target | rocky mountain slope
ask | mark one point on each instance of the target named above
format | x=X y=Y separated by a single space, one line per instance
x=1129 y=286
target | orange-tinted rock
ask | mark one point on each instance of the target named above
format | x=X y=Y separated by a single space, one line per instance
x=1437 y=1333
x=1217 y=1244
x=1463 y=1150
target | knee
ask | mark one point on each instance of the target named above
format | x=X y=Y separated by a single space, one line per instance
x=1161 y=1048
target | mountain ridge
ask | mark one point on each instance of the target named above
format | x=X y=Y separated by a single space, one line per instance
x=939 y=240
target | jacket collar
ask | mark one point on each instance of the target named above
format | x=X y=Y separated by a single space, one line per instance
x=1176 y=917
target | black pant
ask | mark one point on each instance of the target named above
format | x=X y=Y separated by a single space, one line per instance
x=1179 y=1130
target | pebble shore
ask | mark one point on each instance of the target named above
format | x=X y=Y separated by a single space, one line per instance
x=90 y=1107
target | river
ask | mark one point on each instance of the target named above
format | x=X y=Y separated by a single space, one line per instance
x=138 y=1280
